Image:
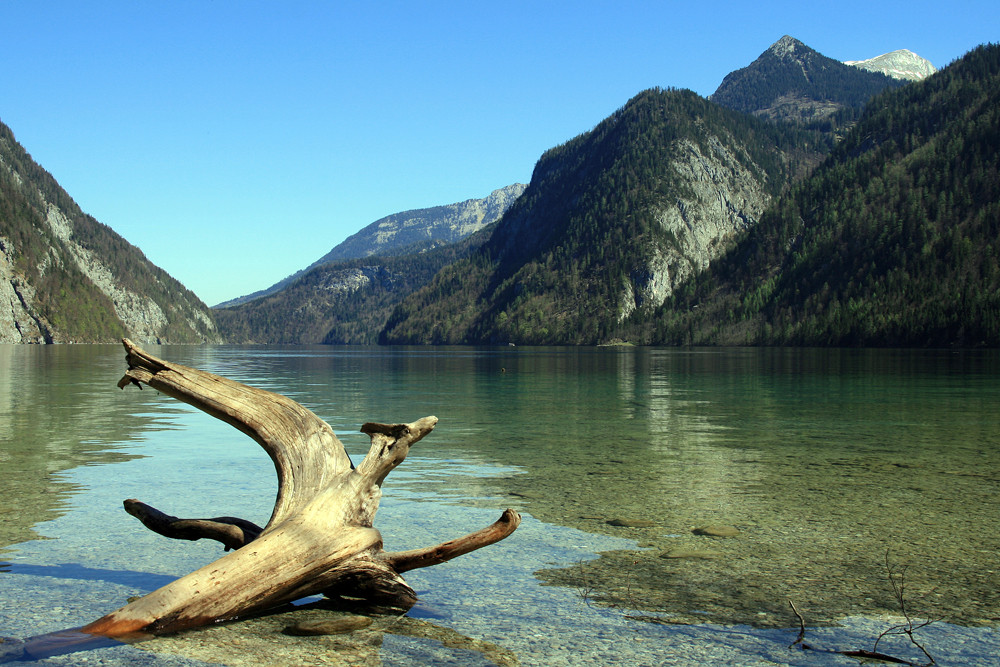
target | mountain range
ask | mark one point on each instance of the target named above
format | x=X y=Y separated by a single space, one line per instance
x=611 y=222
x=786 y=208
x=690 y=174
x=889 y=239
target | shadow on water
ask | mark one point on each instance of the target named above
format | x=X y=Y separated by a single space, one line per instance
x=140 y=580
x=71 y=640
x=279 y=631
x=51 y=644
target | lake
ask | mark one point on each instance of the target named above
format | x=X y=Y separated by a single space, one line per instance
x=832 y=469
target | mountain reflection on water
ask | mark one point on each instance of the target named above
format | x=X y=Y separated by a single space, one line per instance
x=825 y=460
x=58 y=411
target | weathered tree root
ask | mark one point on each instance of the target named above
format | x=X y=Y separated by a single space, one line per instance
x=319 y=538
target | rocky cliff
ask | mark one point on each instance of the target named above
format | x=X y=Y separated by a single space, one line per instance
x=721 y=197
x=440 y=223
x=64 y=277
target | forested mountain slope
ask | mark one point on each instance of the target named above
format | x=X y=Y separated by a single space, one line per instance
x=894 y=240
x=341 y=302
x=609 y=224
x=65 y=277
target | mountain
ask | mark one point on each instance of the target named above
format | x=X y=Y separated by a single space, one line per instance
x=344 y=302
x=901 y=64
x=792 y=82
x=610 y=223
x=894 y=240
x=410 y=231
x=65 y=277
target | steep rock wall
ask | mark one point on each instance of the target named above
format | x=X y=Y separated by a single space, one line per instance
x=721 y=198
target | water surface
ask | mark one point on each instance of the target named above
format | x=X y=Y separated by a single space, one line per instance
x=825 y=461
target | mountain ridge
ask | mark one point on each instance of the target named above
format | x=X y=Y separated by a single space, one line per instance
x=447 y=223
x=414 y=230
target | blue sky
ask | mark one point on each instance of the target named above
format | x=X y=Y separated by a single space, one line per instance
x=237 y=142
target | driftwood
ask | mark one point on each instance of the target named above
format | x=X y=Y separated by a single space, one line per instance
x=320 y=537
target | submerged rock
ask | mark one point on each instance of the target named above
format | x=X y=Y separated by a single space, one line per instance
x=690 y=553
x=717 y=530
x=329 y=626
x=631 y=523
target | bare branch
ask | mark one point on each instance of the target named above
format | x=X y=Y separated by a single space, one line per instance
x=233 y=532
x=403 y=561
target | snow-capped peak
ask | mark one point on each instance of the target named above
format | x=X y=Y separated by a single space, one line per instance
x=901 y=64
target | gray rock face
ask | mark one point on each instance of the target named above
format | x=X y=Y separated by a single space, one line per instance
x=353 y=279
x=722 y=198
x=143 y=316
x=901 y=64
x=18 y=321
x=440 y=223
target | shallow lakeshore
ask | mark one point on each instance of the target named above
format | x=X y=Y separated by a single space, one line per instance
x=507 y=619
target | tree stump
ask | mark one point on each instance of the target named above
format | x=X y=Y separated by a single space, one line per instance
x=320 y=537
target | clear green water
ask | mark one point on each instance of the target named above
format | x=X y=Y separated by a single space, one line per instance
x=823 y=460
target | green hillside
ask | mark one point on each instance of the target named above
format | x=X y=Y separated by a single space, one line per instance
x=894 y=240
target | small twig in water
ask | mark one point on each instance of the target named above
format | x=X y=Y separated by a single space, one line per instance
x=898 y=581
x=802 y=627
x=585 y=587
